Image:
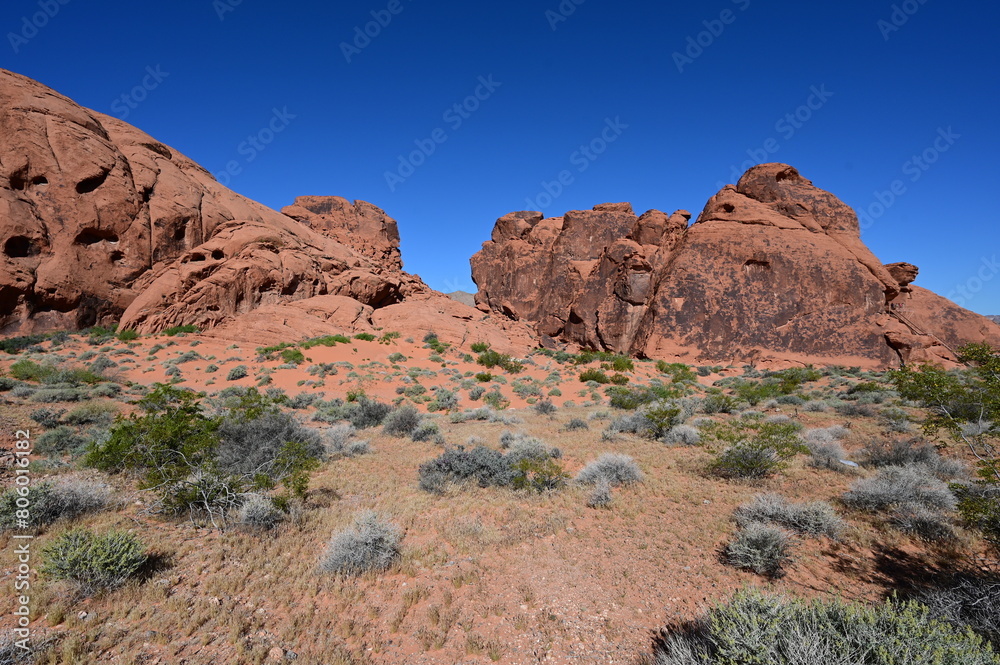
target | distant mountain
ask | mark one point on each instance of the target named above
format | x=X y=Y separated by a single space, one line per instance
x=995 y=317
x=463 y=297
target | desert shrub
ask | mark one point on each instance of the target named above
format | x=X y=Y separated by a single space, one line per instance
x=759 y=547
x=51 y=501
x=757 y=448
x=128 y=335
x=397 y=357
x=896 y=486
x=685 y=435
x=496 y=400
x=357 y=448
x=92 y=561
x=60 y=441
x=490 y=359
x=909 y=452
x=813 y=518
x=370 y=544
x=177 y=330
x=718 y=403
x=539 y=475
x=425 y=431
x=369 y=413
x=48 y=418
x=792 y=400
x=814 y=406
x=92 y=413
x=7 y=383
x=258 y=441
x=753 y=393
x=303 y=400
x=484 y=465
x=922 y=522
x=827 y=456
x=678 y=372
x=444 y=400
x=594 y=374
x=106 y=390
x=576 y=424
x=753 y=628
x=365 y=337
x=544 y=407
x=855 y=410
x=401 y=421
x=966 y=600
x=293 y=356
x=615 y=468
x=979 y=506
x=52 y=395
x=237 y=373
x=480 y=347
x=259 y=513
x=525 y=447
x=338 y=436
x=600 y=496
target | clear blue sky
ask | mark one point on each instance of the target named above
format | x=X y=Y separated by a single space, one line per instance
x=682 y=125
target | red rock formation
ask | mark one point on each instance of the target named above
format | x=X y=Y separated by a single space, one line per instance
x=773 y=270
x=102 y=224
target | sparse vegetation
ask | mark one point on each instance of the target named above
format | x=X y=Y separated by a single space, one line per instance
x=371 y=544
x=93 y=562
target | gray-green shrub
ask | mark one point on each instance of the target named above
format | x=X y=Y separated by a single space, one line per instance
x=812 y=518
x=762 y=548
x=370 y=544
x=92 y=561
x=616 y=468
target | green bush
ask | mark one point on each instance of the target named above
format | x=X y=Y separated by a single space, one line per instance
x=757 y=448
x=539 y=475
x=755 y=393
x=51 y=501
x=94 y=562
x=128 y=335
x=755 y=629
x=329 y=340
x=484 y=377
x=293 y=356
x=60 y=441
x=237 y=373
x=365 y=337
x=176 y=330
x=593 y=374
x=679 y=372
x=480 y=347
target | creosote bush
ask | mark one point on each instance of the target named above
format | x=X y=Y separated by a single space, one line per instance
x=54 y=500
x=896 y=486
x=402 y=421
x=94 y=562
x=370 y=544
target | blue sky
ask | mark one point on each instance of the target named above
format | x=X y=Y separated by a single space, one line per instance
x=670 y=100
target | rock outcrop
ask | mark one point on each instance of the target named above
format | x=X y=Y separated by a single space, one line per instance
x=773 y=270
x=102 y=224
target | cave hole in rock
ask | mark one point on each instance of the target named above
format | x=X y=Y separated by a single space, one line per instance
x=728 y=207
x=117 y=256
x=196 y=258
x=94 y=236
x=758 y=264
x=218 y=254
x=574 y=318
x=88 y=185
x=782 y=175
x=19 y=247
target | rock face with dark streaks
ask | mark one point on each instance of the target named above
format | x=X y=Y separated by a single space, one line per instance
x=773 y=270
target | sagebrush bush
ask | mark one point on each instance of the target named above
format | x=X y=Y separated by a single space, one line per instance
x=576 y=424
x=827 y=456
x=544 y=407
x=259 y=513
x=484 y=465
x=910 y=452
x=60 y=441
x=896 y=486
x=685 y=435
x=753 y=628
x=51 y=501
x=92 y=413
x=425 y=431
x=600 y=496
x=615 y=468
x=371 y=544
x=762 y=548
x=48 y=418
x=922 y=522
x=401 y=421
x=368 y=413
x=254 y=446
x=94 y=562
x=237 y=373
x=813 y=518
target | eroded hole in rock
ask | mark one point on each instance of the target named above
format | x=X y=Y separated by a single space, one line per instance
x=18 y=181
x=196 y=258
x=728 y=207
x=39 y=180
x=88 y=185
x=94 y=236
x=782 y=175
x=18 y=247
x=117 y=256
x=218 y=254
x=752 y=264
x=180 y=232
x=574 y=318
